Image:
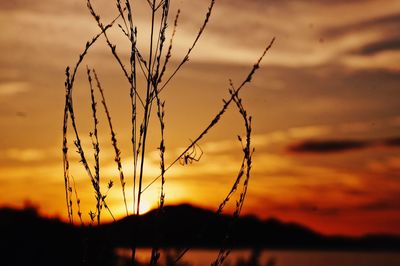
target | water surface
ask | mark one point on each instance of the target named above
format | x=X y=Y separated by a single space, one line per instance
x=201 y=257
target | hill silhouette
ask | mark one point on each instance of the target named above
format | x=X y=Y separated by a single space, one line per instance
x=187 y=225
x=28 y=239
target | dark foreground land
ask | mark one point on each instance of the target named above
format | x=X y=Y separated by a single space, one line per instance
x=28 y=239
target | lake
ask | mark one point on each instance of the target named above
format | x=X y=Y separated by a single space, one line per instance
x=201 y=257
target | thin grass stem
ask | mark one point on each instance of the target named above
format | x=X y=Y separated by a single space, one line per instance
x=114 y=142
x=146 y=111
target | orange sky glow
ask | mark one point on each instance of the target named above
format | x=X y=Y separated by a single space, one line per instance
x=325 y=107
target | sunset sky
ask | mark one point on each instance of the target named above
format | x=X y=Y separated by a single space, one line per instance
x=325 y=107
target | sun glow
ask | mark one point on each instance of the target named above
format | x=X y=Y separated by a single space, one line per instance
x=145 y=206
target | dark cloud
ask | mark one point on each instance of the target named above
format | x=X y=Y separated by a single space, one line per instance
x=392 y=142
x=356 y=192
x=332 y=146
x=327 y=146
x=380 y=46
x=389 y=24
x=379 y=205
x=308 y=207
x=386 y=37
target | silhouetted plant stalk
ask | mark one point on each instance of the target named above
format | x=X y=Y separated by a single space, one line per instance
x=150 y=66
x=155 y=253
x=216 y=119
x=117 y=157
x=245 y=168
x=133 y=83
x=78 y=201
x=69 y=84
x=68 y=189
x=96 y=147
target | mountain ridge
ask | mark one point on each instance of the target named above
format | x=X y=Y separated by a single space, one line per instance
x=188 y=225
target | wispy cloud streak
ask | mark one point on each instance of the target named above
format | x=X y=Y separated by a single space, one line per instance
x=333 y=146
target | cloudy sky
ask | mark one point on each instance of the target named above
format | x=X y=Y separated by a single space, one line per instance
x=325 y=107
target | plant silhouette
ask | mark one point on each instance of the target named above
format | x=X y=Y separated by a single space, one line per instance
x=146 y=78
